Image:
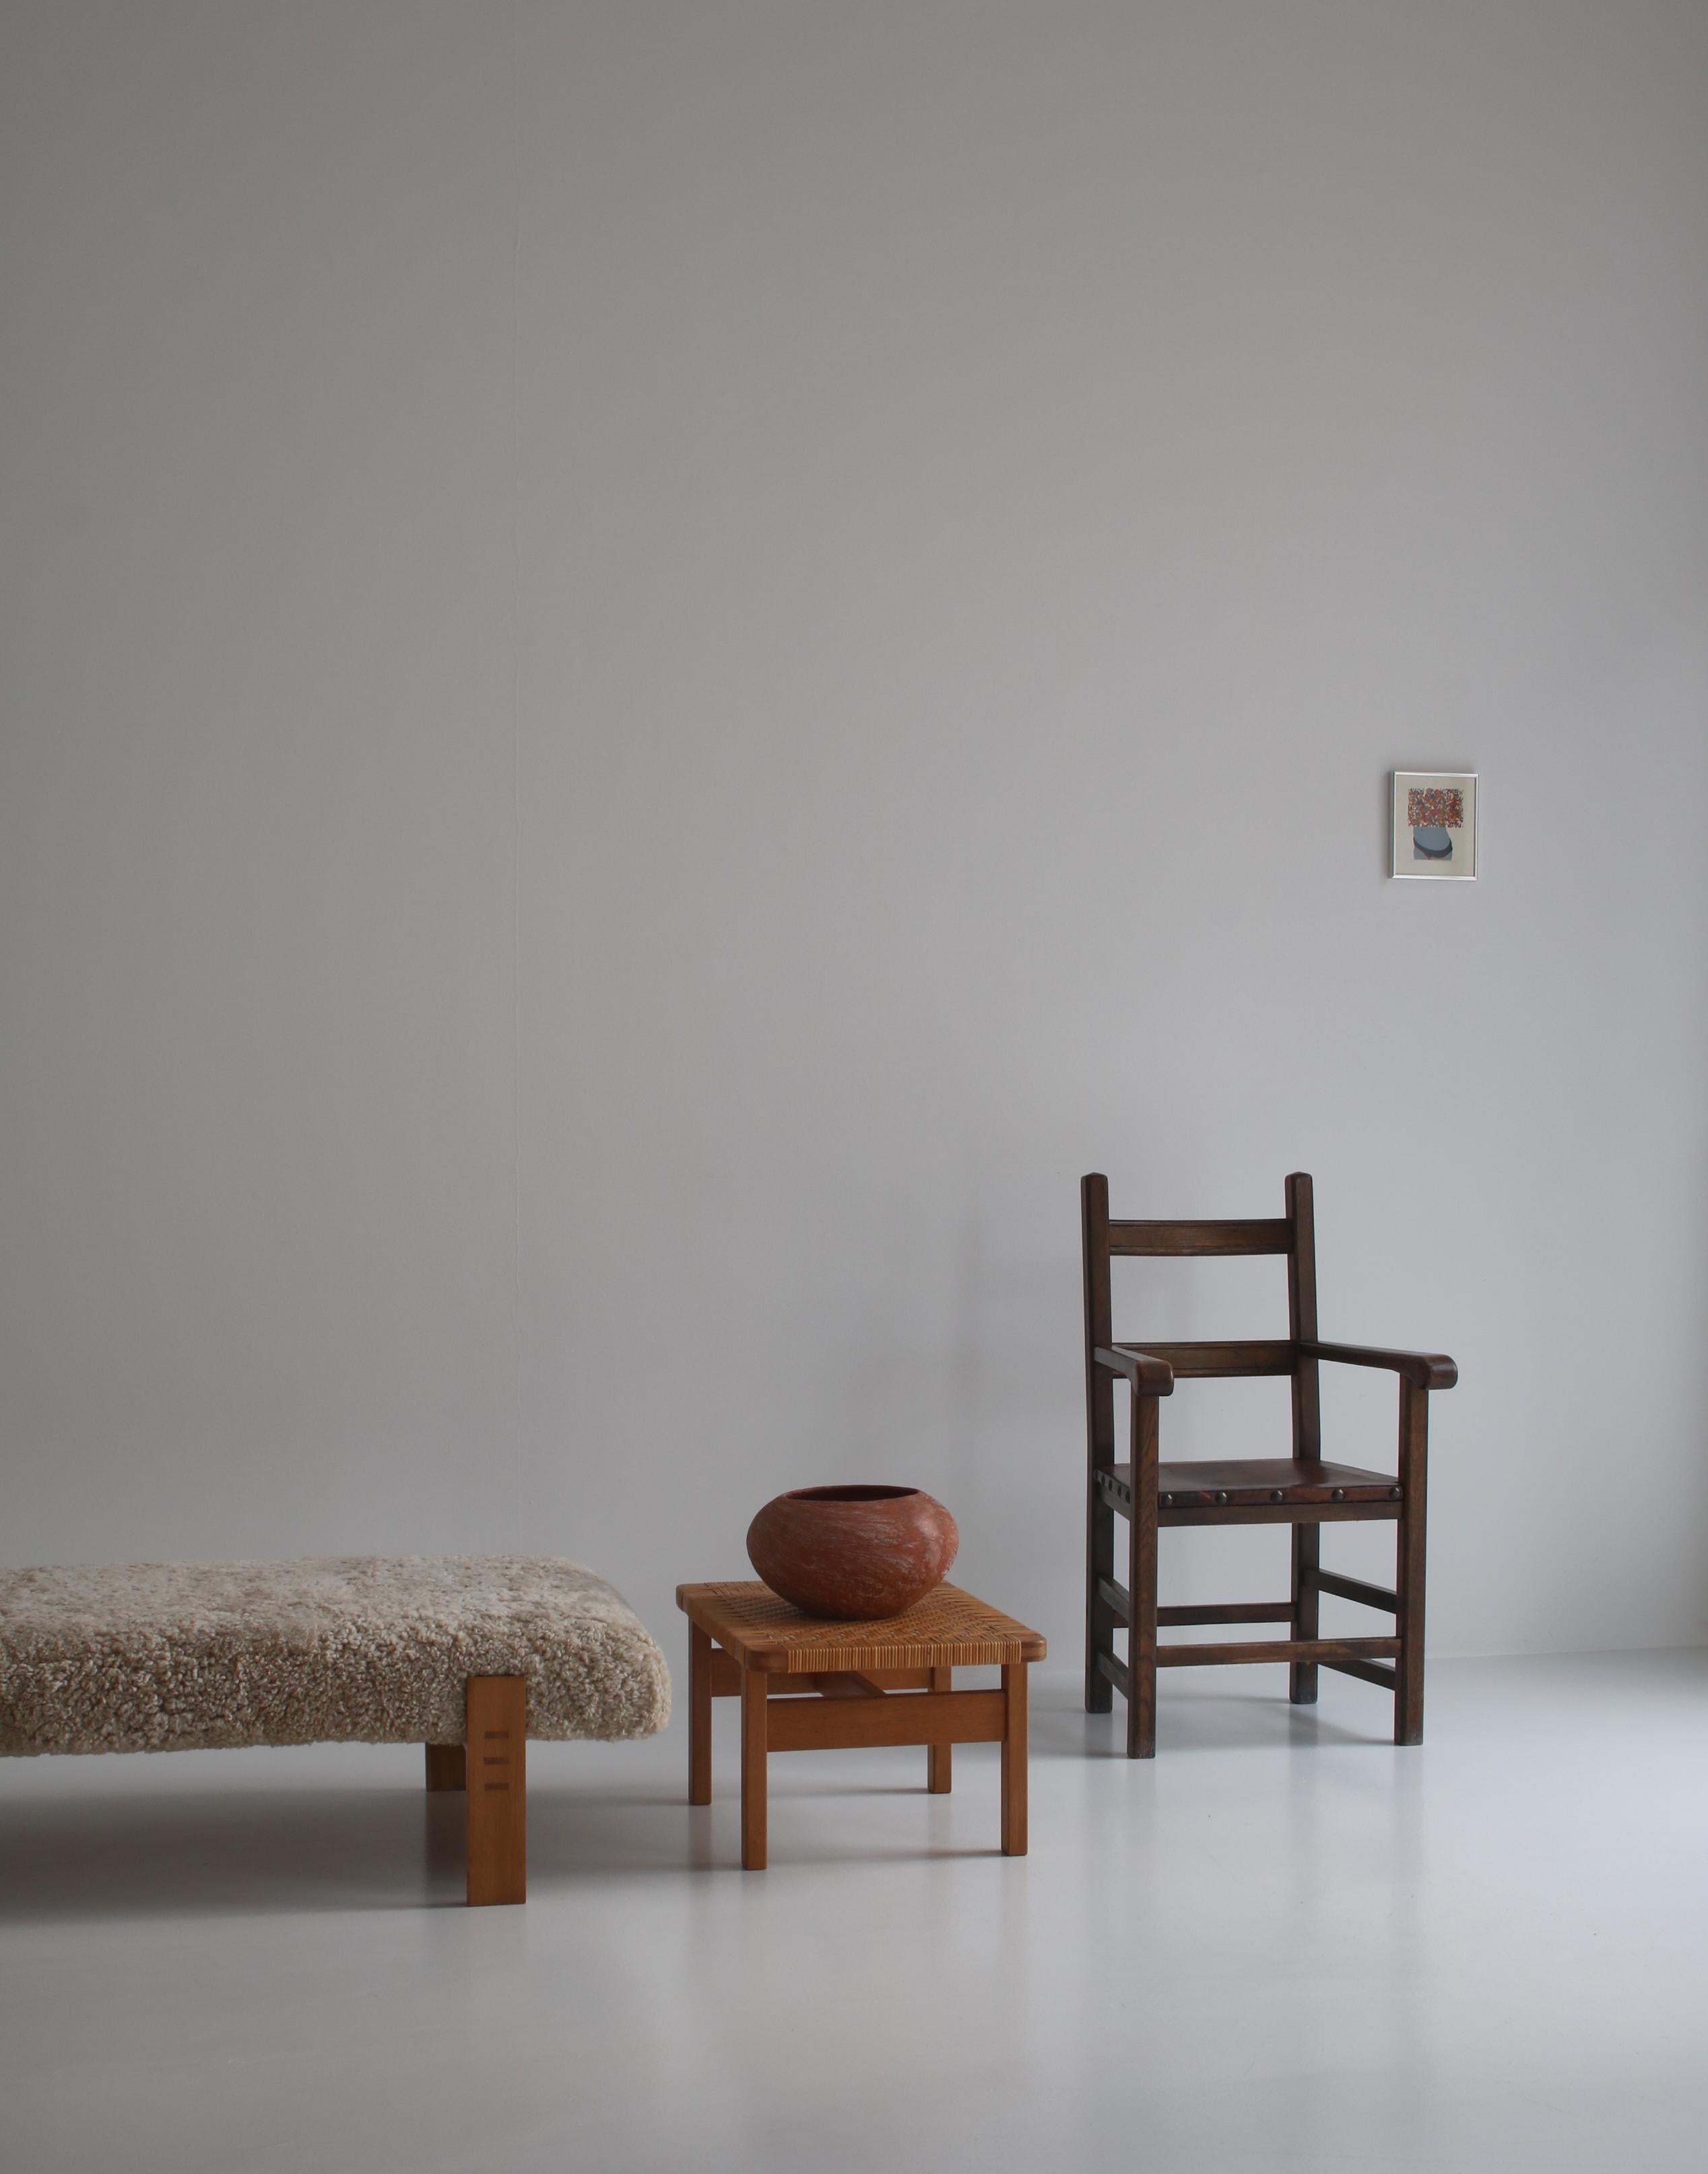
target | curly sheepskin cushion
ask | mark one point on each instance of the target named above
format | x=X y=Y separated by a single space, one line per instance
x=368 y=1649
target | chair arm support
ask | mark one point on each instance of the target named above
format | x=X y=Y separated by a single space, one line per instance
x=1149 y=1376
x=1423 y=1370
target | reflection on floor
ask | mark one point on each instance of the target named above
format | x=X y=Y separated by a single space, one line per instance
x=1284 y=1946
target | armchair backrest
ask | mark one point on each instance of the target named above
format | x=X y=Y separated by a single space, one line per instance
x=1294 y=1235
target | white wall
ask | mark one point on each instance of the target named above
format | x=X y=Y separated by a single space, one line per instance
x=662 y=663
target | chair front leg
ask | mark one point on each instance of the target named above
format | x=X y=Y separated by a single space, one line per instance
x=1307 y=1560
x=1141 y=1584
x=1408 y=1579
x=1100 y=1619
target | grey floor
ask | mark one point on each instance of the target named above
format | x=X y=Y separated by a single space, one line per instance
x=1283 y=1946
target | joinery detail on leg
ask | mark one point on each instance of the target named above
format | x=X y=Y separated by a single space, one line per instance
x=497 y=1788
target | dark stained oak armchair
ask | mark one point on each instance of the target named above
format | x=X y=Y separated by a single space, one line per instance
x=1302 y=1490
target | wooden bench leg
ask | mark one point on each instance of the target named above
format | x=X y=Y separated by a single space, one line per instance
x=939 y=1758
x=755 y=1701
x=445 y=1768
x=699 y=1715
x=1015 y=1760
x=497 y=1780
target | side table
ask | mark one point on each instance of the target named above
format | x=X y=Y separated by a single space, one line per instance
x=808 y=1685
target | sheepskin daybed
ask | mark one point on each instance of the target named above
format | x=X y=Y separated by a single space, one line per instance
x=484 y=1650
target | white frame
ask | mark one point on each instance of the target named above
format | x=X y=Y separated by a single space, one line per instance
x=1403 y=864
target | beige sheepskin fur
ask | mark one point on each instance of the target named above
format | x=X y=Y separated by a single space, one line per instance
x=367 y=1649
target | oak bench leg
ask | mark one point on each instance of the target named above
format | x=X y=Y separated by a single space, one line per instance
x=446 y=1768
x=939 y=1758
x=497 y=1788
x=755 y=1702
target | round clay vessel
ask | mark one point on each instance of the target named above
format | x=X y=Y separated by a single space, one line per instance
x=852 y=1552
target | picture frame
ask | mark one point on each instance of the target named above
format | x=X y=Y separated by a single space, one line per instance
x=1434 y=825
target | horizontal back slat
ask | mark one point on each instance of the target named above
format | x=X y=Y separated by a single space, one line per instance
x=1270 y=1235
x=1208 y=1361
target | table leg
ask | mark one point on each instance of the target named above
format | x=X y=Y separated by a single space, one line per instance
x=699 y=1715
x=755 y=1700
x=1015 y=1760
x=939 y=1768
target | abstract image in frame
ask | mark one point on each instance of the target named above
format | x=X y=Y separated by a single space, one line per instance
x=1435 y=825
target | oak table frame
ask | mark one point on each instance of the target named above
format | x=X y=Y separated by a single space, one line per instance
x=1303 y=1490
x=810 y=1685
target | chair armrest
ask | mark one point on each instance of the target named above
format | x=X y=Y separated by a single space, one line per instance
x=1150 y=1377
x=1423 y=1370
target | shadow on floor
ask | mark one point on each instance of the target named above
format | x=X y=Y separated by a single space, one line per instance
x=71 y=1858
x=67 y=1858
x=243 y=1853
x=1189 y=1721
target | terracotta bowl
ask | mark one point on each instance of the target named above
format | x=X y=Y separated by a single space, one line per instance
x=852 y=1552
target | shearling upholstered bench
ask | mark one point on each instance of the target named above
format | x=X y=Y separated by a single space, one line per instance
x=468 y=1655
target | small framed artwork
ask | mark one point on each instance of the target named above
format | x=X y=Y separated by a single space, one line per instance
x=1435 y=825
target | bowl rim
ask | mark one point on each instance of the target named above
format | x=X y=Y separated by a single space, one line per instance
x=853 y=1491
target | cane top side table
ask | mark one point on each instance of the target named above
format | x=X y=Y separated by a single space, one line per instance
x=808 y=1685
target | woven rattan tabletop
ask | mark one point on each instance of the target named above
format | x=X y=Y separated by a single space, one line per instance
x=948 y=1628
